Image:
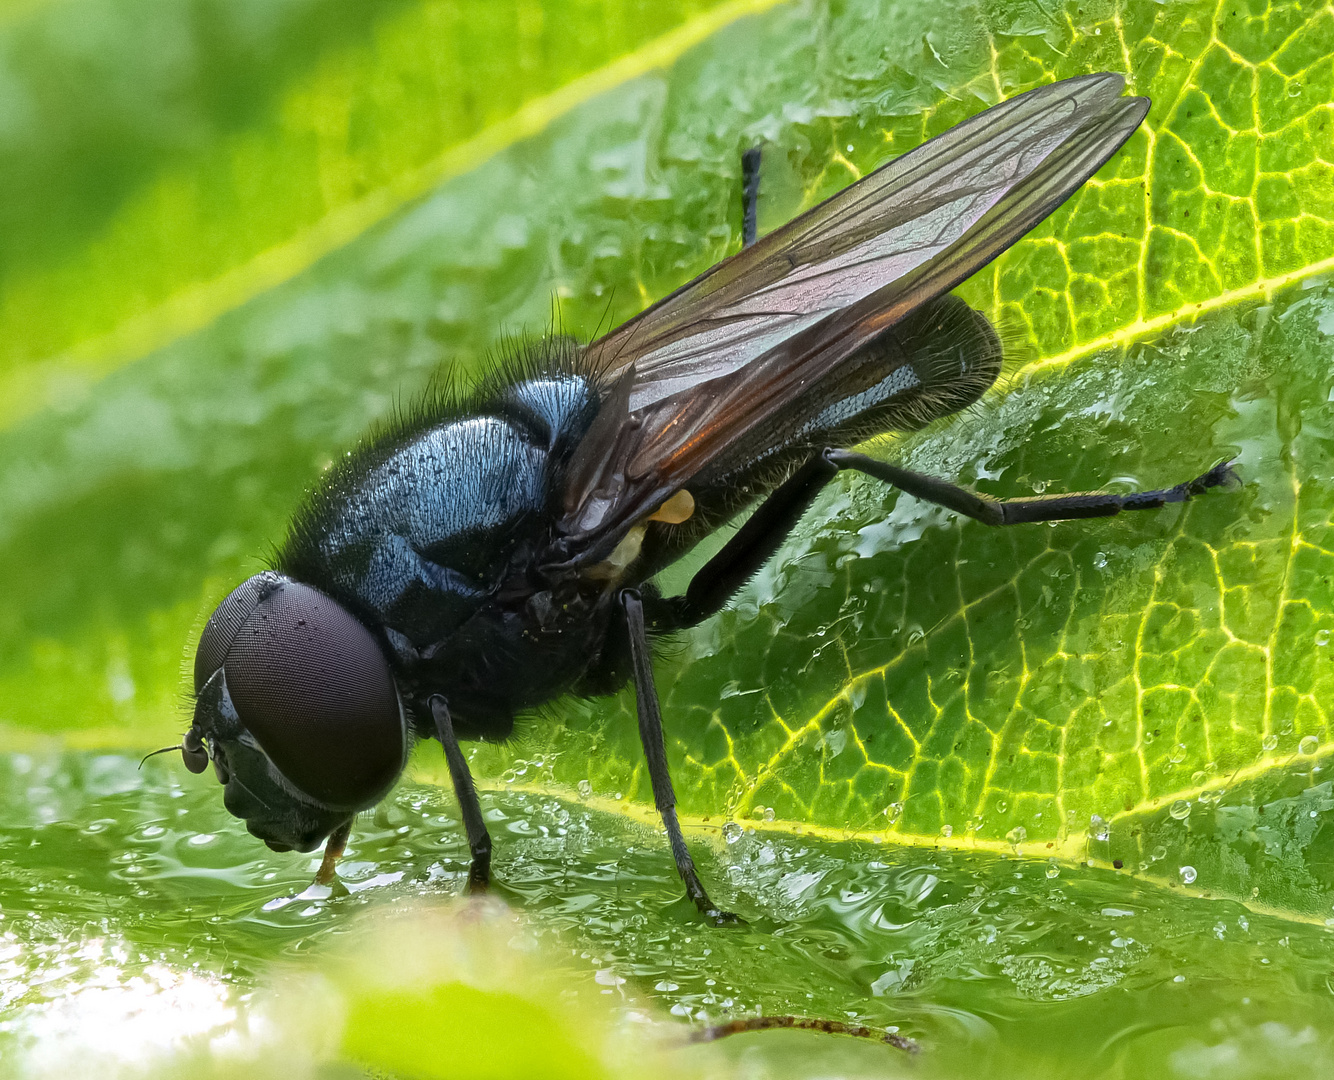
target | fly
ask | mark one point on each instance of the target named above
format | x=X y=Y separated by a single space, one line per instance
x=492 y=552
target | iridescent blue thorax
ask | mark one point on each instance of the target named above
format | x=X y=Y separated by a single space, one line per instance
x=433 y=535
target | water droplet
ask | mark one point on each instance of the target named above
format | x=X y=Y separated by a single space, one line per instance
x=1100 y=559
x=1270 y=742
x=731 y=832
x=1309 y=745
x=947 y=831
x=1180 y=810
x=1053 y=870
x=893 y=811
x=1017 y=835
x=1098 y=828
x=1160 y=852
x=585 y=789
x=769 y=813
x=618 y=796
x=1199 y=776
x=1294 y=89
x=1040 y=486
x=1187 y=874
x=1002 y=806
x=1178 y=754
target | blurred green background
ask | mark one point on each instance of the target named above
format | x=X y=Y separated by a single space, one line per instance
x=1050 y=799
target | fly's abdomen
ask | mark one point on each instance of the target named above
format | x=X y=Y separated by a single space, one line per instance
x=939 y=359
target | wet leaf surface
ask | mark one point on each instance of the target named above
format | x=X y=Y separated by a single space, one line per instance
x=1048 y=799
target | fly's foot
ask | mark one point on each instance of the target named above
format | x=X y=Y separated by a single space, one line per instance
x=1224 y=474
x=723 y=919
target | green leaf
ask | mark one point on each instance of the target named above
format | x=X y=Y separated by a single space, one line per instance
x=1030 y=679
x=253 y=141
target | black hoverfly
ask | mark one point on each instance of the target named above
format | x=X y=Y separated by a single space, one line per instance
x=495 y=551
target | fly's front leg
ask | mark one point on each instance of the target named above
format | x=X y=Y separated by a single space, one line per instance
x=479 y=840
x=655 y=751
x=768 y=526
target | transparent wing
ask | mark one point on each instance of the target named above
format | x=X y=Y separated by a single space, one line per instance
x=760 y=331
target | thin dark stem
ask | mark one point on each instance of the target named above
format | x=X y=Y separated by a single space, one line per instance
x=802 y=1023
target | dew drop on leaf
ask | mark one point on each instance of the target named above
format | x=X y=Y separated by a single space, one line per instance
x=1309 y=745
x=1053 y=870
x=731 y=832
x=1187 y=874
x=1270 y=742
x=585 y=789
x=1017 y=835
x=1002 y=806
x=1100 y=559
x=1178 y=754
x=1098 y=828
x=1322 y=637
x=947 y=831
x=1180 y=810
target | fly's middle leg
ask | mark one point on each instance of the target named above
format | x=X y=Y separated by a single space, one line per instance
x=655 y=752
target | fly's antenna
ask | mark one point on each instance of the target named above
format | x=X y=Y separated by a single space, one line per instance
x=164 y=750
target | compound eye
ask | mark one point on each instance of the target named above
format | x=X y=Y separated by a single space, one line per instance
x=313 y=687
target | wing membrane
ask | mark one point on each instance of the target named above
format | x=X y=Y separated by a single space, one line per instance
x=750 y=337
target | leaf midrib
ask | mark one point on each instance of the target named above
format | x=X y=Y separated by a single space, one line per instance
x=1069 y=854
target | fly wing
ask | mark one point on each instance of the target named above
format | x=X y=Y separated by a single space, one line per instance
x=754 y=335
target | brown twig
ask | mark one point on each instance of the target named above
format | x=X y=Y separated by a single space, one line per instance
x=803 y=1023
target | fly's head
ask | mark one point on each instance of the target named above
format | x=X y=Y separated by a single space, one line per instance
x=297 y=708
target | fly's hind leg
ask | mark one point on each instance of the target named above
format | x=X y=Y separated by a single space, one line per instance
x=655 y=752
x=759 y=537
x=750 y=195
x=479 y=840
